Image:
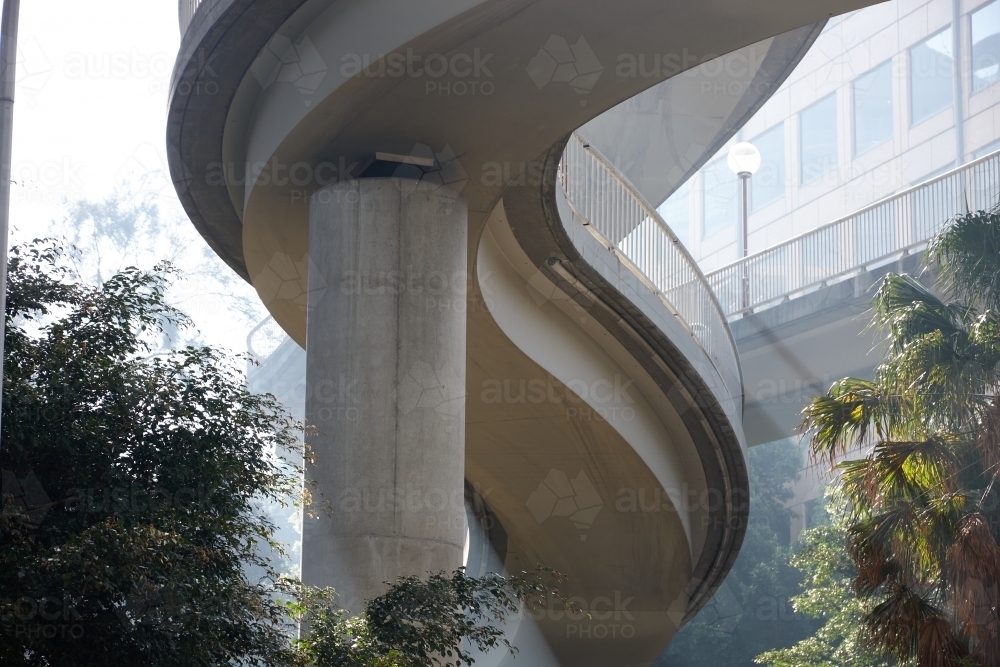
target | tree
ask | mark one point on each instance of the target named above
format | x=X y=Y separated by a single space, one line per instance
x=416 y=623
x=827 y=595
x=923 y=521
x=752 y=611
x=131 y=482
x=134 y=495
x=129 y=228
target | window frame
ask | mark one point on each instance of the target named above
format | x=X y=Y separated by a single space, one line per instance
x=973 y=90
x=836 y=130
x=854 y=110
x=951 y=77
x=778 y=127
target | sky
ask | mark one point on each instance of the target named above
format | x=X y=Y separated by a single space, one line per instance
x=90 y=113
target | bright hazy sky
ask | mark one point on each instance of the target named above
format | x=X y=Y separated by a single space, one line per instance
x=91 y=99
x=90 y=111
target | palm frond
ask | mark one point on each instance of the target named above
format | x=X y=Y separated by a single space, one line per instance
x=967 y=253
x=852 y=414
x=988 y=437
x=904 y=510
x=874 y=563
x=942 y=380
x=923 y=552
x=909 y=470
x=987 y=643
x=887 y=548
x=908 y=309
x=893 y=626
x=939 y=647
x=894 y=471
x=974 y=574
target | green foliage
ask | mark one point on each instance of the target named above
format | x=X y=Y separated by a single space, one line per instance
x=752 y=611
x=440 y=620
x=134 y=488
x=128 y=228
x=922 y=522
x=967 y=255
x=131 y=483
x=827 y=595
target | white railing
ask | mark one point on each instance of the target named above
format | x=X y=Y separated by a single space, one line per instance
x=628 y=225
x=185 y=13
x=895 y=226
x=264 y=339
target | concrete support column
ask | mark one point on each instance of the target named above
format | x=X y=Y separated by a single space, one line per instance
x=386 y=376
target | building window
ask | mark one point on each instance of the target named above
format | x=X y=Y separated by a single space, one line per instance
x=930 y=76
x=985 y=46
x=818 y=139
x=872 y=108
x=768 y=184
x=675 y=211
x=720 y=206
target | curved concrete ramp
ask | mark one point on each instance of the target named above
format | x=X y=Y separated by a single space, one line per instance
x=662 y=136
x=599 y=424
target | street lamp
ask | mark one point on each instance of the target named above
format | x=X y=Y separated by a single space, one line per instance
x=8 y=55
x=744 y=160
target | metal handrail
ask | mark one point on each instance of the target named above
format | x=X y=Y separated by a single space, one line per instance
x=614 y=210
x=265 y=338
x=895 y=225
x=185 y=13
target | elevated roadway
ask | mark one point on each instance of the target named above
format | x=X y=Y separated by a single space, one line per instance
x=472 y=313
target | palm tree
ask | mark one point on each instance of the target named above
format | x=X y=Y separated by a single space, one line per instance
x=924 y=520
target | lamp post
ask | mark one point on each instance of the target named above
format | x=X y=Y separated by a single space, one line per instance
x=8 y=57
x=744 y=160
